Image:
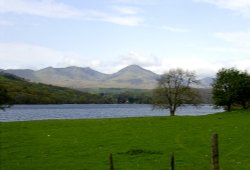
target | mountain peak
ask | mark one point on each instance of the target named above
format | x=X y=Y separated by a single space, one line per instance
x=135 y=69
x=133 y=66
x=134 y=76
x=47 y=68
x=76 y=67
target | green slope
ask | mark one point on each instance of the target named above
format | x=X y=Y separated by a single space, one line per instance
x=24 y=92
x=136 y=143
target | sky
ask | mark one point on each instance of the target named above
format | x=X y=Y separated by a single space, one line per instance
x=107 y=35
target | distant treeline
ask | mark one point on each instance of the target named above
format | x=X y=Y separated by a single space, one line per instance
x=129 y=97
x=139 y=96
x=22 y=91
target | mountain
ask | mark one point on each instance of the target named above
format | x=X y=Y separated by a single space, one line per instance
x=207 y=82
x=133 y=76
x=74 y=73
x=74 y=77
x=24 y=73
x=134 y=72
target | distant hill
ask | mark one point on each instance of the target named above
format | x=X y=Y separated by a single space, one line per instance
x=133 y=76
x=24 y=73
x=24 y=92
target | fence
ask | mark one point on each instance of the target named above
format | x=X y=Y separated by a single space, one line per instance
x=214 y=156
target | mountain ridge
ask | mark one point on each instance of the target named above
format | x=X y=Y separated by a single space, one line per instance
x=132 y=76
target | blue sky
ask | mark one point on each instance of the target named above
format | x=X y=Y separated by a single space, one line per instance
x=107 y=35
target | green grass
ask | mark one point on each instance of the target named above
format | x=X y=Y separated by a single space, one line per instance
x=136 y=143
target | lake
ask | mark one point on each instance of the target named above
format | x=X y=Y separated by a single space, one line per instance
x=86 y=111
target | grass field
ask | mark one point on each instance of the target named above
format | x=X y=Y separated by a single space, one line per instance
x=136 y=143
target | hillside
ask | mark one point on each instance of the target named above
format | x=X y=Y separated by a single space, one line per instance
x=24 y=92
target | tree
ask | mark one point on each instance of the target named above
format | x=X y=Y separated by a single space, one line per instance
x=231 y=86
x=243 y=92
x=174 y=90
x=5 y=100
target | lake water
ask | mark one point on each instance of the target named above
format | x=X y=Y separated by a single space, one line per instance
x=83 y=111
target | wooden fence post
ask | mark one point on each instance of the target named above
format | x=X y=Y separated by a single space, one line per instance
x=215 y=152
x=111 y=163
x=172 y=161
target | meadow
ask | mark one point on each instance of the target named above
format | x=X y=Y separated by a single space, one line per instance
x=136 y=143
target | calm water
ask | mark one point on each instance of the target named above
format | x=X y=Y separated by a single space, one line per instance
x=80 y=111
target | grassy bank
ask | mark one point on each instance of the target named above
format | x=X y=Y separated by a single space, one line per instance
x=136 y=143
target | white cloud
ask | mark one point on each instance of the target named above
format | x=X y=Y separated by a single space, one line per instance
x=138 y=2
x=203 y=66
x=126 y=10
x=23 y=55
x=139 y=59
x=198 y=64
x=19 y=55
x=173 y=29
x=230 y=4
x=123 y=20
x=45 y=8
x=240 y=6
x=122 y=15
x=242 y=64
x=228 y=50
x=95 y=63
x=76 y=60
x=239 y=39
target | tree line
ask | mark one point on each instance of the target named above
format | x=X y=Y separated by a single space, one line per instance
x=231 y=87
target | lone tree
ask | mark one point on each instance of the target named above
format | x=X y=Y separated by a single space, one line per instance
x=174 y=90
x=231 y=86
